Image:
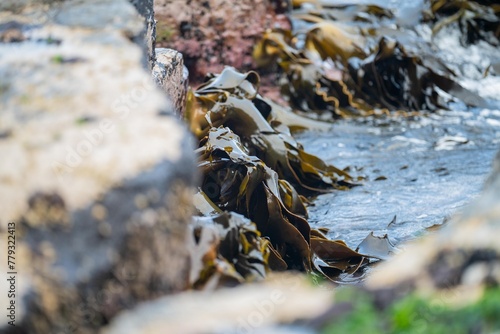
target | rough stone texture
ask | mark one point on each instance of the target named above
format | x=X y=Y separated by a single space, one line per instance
x=172 y=76
x=252 y=308
x=95 y=169
x=214 y=33
x=146 y=9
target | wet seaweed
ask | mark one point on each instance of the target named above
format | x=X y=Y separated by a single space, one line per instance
x=477 y=20
x=255 y=174
x=227 y=249
x=231 y=100
x=235 y=181
x=362 y=69
x=250 y=164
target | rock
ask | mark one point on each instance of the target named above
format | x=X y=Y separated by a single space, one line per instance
x=172 y=76
x=96 y=170
x=146 y=10
x=251 y=308
x=212 y=34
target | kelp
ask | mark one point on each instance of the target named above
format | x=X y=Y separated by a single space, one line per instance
x=397 y=79
x=477 y=20
x=249 y=163
x=231 y=100
x=234 y=180
x=339 y=263
x=312 y=88
x=312 y=84
x=333 y=258
x=274 y=45
x=280 y=115
x=331 y=40
x=227 y=248
x=362 y=70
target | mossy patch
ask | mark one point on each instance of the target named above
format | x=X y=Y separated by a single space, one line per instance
x=164 y=32
x=58 y=59
x=414 y=314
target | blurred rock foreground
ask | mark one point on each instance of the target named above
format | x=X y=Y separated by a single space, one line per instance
x=96 y=170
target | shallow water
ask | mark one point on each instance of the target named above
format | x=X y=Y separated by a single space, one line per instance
x=434 y=165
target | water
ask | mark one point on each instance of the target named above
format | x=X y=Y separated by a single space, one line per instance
x=433 y=167
x=427 y=168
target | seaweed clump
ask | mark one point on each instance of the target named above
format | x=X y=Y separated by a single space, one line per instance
x=352 y=61
x=255 y=172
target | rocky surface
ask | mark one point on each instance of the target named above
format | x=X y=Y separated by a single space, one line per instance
x=172 y=76
x=212 y=34
x=146 y=9
x=96 y=170
x=252 y=308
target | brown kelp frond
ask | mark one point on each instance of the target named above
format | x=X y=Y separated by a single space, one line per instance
x=401 y=80
x=478 y=20
x=332 y=40
x=235 y=181
x=273 y=46
x=341 y=264
x=279 y=115
x=313 y=88
x=227 y=248
x=231 y=100
x=360 y=69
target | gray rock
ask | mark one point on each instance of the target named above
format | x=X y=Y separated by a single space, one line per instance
x=169 y=71
x=250 y=308
x=146 y=10
x=96 y=171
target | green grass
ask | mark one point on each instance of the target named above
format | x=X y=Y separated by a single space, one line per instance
x=164 y=32
x=415 y=315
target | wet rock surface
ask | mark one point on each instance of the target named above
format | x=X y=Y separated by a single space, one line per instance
x=171 y=75
x=96 y=170
x=215 y=33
